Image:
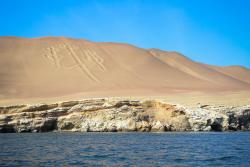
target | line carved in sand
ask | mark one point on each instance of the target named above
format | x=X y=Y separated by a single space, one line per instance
x=52 y=57
x=81 y=57
x=80 y=63
x=94 y=57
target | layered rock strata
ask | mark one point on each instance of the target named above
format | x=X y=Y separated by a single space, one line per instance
x=106 y=115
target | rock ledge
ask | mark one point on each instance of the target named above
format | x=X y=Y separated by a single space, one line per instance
x=106 y=115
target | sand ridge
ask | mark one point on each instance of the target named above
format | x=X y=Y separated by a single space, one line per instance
x=49 y=67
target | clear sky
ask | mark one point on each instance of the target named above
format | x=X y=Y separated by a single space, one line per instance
x=209 y=31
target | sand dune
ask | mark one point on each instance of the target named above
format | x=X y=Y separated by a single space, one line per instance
x=237 y=72
x=57 y=67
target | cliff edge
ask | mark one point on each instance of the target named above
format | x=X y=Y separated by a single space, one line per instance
x=110 y=115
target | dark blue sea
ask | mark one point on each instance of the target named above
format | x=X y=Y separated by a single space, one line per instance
x=126 y=149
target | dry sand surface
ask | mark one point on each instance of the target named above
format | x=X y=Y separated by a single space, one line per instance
x=58 y=68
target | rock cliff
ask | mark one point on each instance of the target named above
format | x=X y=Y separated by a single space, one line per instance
x=107 y=115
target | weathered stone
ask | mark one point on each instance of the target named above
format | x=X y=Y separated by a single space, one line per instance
x=38 y=107
x=105 y=115
x=56 y=112
x=6 y=128
x=49 y=124
x=143 y=126
x=68 y=103
x=69 y=122
x=217 y=124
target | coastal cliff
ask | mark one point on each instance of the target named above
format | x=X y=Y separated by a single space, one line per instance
x=110 y=115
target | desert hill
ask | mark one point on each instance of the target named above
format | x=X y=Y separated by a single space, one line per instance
x=57 y=66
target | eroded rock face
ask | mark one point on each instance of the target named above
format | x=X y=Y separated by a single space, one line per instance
x=219 y=118
x=105 y=115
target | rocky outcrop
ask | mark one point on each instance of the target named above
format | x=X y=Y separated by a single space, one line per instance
x=106 y=115
x=219 y=118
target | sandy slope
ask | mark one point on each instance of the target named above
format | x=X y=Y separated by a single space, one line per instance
x=49 y=67
x=237 y=72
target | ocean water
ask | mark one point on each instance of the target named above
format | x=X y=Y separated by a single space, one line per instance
x=126 y=149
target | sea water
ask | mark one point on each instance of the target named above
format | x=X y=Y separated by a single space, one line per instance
x=126 y=149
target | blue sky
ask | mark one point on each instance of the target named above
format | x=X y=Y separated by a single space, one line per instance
x=210 y=31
